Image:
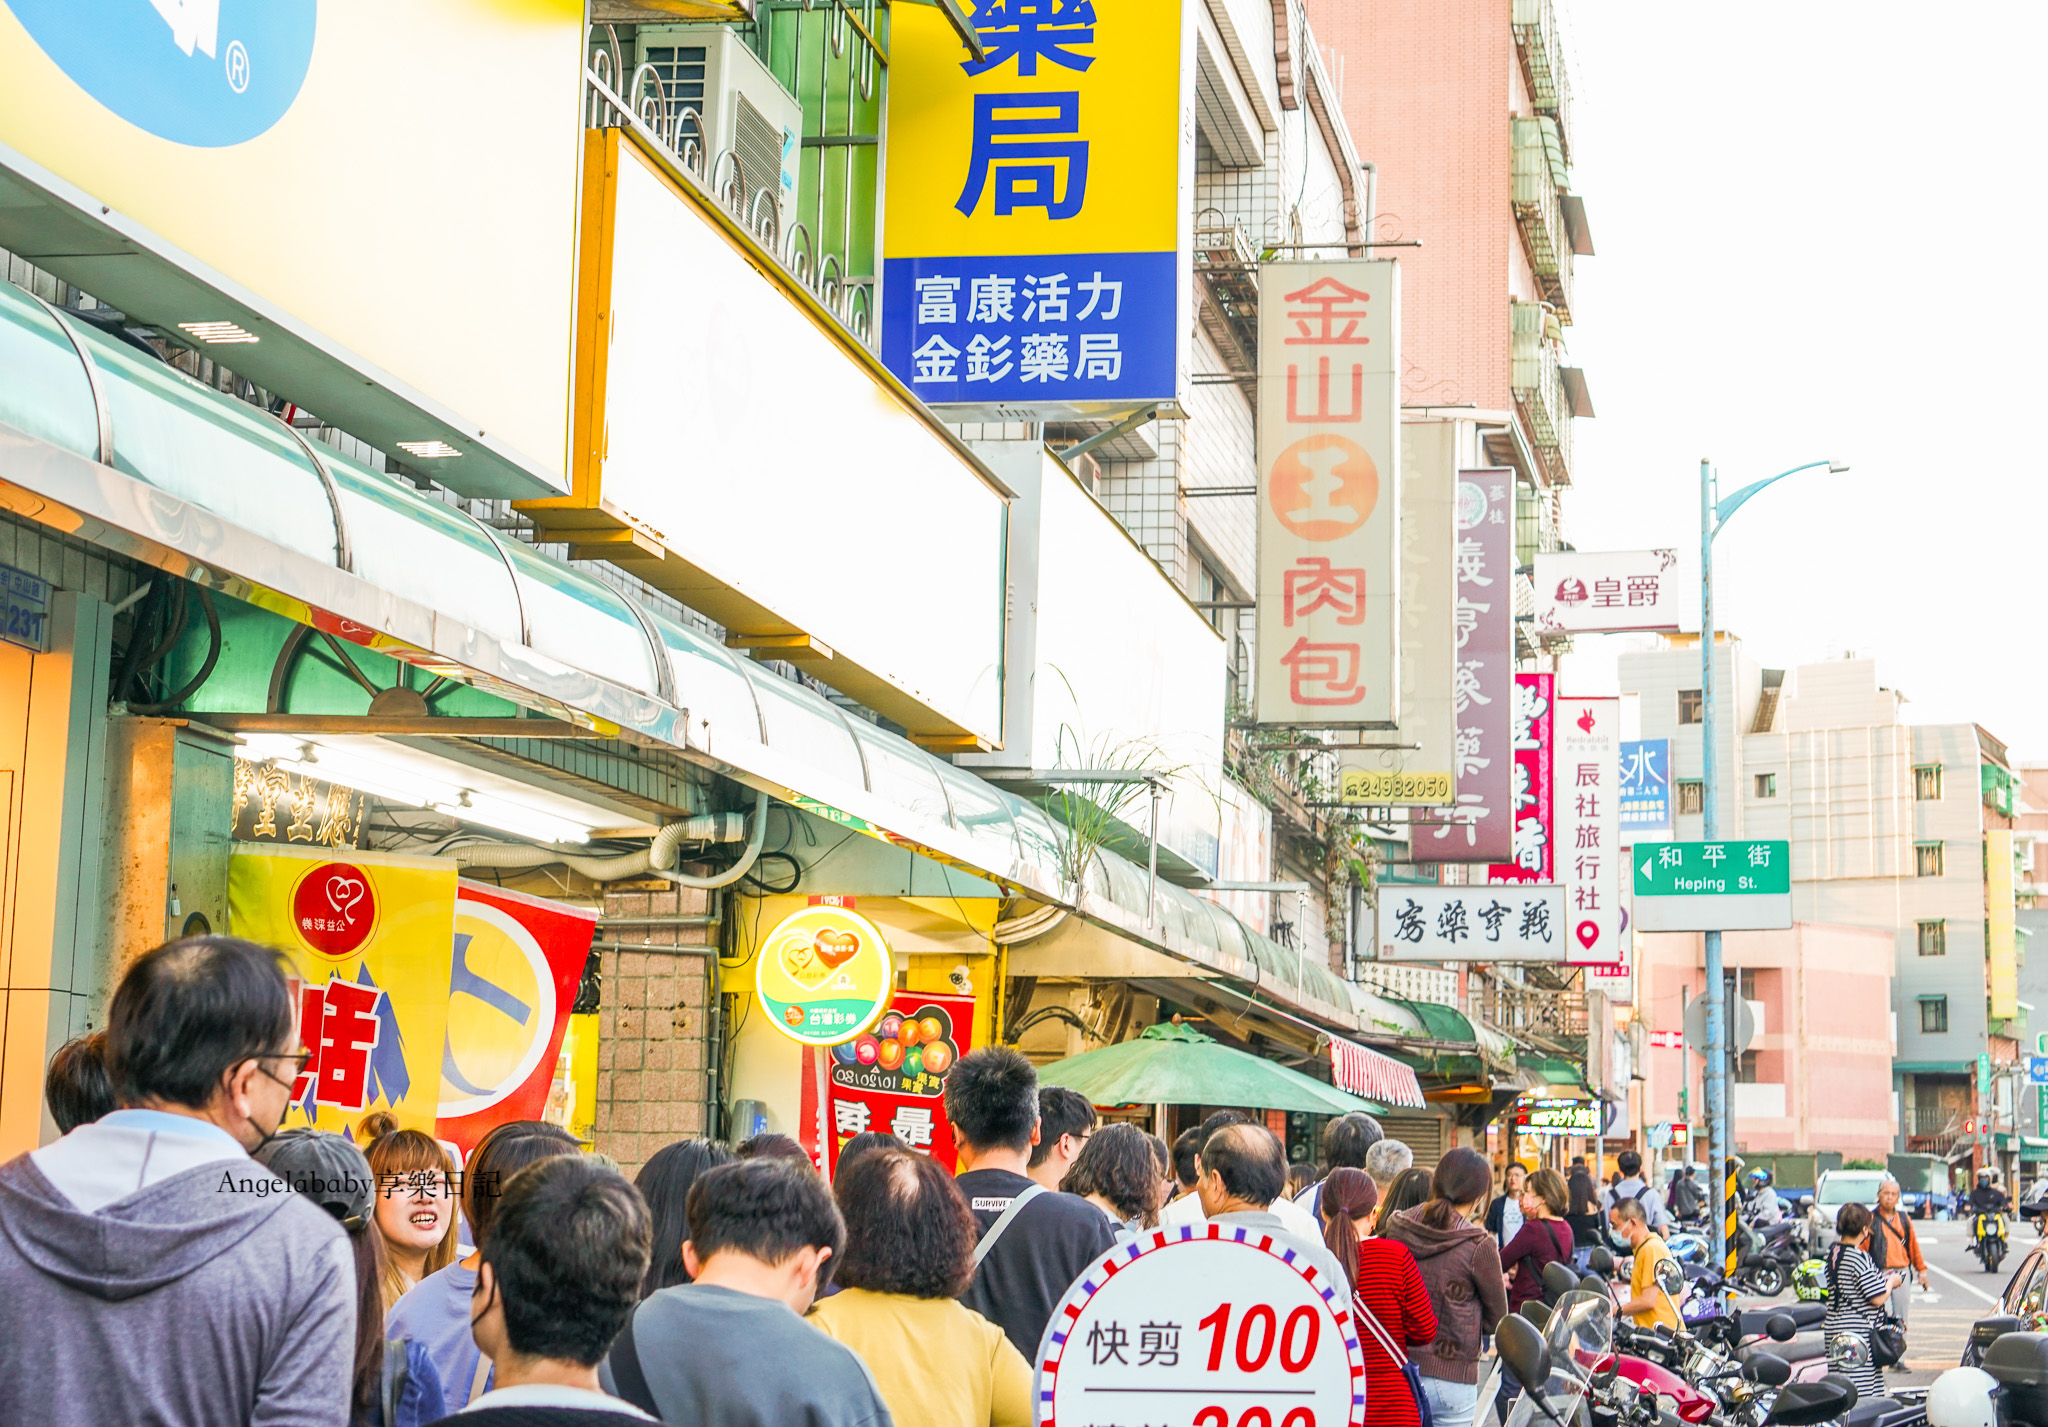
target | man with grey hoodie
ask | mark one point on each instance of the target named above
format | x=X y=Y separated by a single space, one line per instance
x=152 y=1270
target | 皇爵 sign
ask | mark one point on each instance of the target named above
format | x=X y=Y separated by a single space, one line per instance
x=892 y=1077
x=26 y=617
x=824 y=975
x=1516 y=921
x=1729 y=885
x=1034 y=206
x=1589 y=592
x=1532 y=804
x=1329 y=494
x=1645 y=807
x=1210 y=1324
x=1587 y=741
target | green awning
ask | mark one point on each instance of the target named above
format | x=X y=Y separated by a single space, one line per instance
x=1934 y=1067
x=1177 y=1065
x=1442 y=1023
x=1553 y=1070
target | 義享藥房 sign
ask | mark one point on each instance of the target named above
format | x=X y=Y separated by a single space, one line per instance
x=1518 y=921
x=1730 y=885
x=1217 y=1325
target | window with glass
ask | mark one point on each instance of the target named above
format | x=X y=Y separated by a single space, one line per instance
x=1933 y=1015
x=1692 y=796
x=1926 y=859
x=1933 y=937
x=1766 y=785
x=1927 y=783
x=1692 y=706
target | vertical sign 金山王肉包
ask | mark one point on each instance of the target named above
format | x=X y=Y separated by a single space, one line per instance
x=1033 y=205
x=1530 y=795
x=1584 y=773
x=1329 y=494
x=1481 y=827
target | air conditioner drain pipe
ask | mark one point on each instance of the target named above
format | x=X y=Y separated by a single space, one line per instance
x=655 y=861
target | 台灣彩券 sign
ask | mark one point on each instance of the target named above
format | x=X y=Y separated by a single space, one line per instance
x=893 y=1077
x=1517 y=921
x=1730 y=885
x=1211 y=1324
x=824 y=976
x=1329 y=494
x=1588 y=592
x=1034 y=205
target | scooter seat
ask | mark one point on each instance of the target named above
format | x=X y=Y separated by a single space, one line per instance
x=1801 y=1349
x=1885 y=1412
x=1751 y=1321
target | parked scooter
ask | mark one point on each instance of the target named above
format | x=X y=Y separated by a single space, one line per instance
x=2004 y=1382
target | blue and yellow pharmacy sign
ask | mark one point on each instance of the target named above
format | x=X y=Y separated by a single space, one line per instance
x=1034 y=204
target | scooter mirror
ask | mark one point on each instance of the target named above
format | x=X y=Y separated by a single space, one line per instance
x=1600 y=1260
x=1768 y=1369
x=1781 y=1327
x=1528 y=1357
x=1537 y=1312
x=1670 y=1277
x=1558 y=1280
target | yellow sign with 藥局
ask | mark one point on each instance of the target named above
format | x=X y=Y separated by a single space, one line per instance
x=370 y=939
x=1034 y=201
x=824 y=975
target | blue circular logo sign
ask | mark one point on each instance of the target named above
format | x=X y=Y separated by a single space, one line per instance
x=208 y=73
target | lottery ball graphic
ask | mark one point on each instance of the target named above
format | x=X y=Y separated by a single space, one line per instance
x=913 y=1060
x=866 y=1050
x=937 y=1056
x=846 y=1053
x=888 y=1026
x=889 y=1055
x=929 y=1029
x=910 y=1032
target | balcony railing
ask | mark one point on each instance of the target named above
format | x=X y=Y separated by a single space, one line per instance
x=1538 y=180
x=1538 y=386
x=1539 y=48
x=1558 y=1017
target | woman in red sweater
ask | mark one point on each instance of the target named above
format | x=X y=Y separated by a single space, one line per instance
x=1388 y=1285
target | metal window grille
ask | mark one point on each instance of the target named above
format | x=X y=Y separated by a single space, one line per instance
x=1692 y=797
x=1927 y=783
x=1926 y=859
x=1933 y=937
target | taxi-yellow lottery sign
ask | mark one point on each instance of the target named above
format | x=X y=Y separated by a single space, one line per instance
x=824 y=975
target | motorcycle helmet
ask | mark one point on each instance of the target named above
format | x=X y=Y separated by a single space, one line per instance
x=1810 y=1281
x=1758 y=1178
x=1963 y=1397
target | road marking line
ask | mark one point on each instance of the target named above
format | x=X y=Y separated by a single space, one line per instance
x=1969 y=1288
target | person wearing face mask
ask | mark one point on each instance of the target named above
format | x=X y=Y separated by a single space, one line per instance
x=151 y=1269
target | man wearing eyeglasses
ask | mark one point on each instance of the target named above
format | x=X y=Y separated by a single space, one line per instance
x=149 y=1268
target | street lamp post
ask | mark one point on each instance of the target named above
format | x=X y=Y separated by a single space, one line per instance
x=1714 y=1077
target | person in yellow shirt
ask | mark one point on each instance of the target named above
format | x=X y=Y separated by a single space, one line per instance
x=1649 y=1305
x=909 y=1253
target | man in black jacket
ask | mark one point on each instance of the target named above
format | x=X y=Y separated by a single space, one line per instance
x=1034 y=1242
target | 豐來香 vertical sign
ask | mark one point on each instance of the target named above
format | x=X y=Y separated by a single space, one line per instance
x=1329 y=494
x=1033 y=207
x=1530 y=789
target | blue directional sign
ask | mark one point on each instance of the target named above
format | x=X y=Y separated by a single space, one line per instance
x=2037 y=1070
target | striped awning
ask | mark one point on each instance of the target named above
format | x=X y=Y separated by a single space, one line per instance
x=1375 y=1076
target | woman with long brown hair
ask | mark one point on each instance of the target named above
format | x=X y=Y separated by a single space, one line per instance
x=1460 y=1265
x=415 y=1179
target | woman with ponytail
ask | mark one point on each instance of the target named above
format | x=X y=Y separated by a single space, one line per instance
x=1388 y=1287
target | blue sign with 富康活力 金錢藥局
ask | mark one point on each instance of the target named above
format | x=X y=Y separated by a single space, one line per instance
x=1034 y=207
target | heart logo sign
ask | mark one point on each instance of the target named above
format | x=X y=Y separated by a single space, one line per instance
x=345 y=893
x=836 y=947
x=334 y=909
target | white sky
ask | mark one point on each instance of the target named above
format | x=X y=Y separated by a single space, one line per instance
x=1818 y=228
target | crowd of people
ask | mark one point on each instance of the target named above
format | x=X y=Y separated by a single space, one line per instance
x=186 y=1259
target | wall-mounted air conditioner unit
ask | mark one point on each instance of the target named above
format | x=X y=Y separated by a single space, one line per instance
x=750 y=122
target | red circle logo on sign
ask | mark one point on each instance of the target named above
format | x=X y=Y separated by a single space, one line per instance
x=334 y=909
x=1323 y=487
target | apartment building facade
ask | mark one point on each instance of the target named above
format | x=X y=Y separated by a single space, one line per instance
x=1899 y=828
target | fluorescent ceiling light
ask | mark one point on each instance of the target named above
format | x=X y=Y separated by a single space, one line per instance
x=428 y=450
x=512 y=818
x=218 y=334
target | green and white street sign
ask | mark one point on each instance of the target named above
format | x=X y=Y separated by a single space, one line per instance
x=1737 y=884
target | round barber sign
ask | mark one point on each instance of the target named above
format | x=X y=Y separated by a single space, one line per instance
x=1212 y=1326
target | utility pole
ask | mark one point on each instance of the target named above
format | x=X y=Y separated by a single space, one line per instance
x=1713 y=1078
